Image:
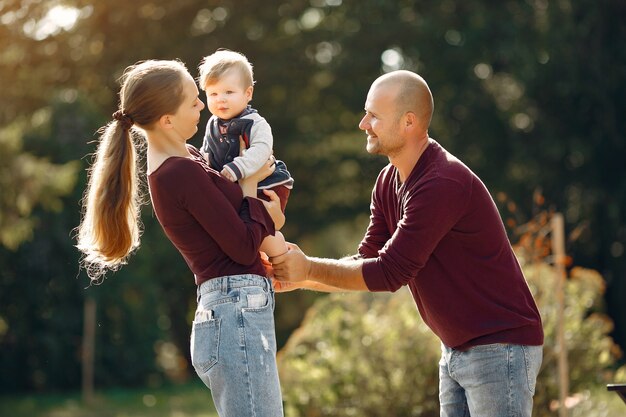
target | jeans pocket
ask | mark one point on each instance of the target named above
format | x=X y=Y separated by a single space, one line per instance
x=256 y=299
x=205 y=341
x=533 y=356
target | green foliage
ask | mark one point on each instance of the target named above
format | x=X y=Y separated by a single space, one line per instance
x=336 y=241
x=361 y=354
x=371 y=354
x=591 y=352
x=28 y=181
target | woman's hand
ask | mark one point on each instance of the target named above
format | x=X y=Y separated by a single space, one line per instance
x=274 y=210
x=286 y=286
x=249 y=184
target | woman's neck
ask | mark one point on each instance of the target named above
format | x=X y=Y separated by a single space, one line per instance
x=161 y=147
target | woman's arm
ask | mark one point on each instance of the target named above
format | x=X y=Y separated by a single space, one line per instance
x=249 y=188
x=237 y=231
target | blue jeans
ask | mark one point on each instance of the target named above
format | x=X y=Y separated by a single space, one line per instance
x=233 y=346
x=495 y=380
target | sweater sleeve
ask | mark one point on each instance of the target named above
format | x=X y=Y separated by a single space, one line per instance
x=261 y=143
x=377 y=233
x=238 y=233
x=429 y=214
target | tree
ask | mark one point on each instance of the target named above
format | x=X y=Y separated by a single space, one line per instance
x=527 y=93
x=28 y=181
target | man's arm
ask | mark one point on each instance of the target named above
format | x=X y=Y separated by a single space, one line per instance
x=285 y=286
x=295 y=266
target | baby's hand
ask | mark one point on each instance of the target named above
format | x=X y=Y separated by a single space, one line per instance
x=226 y=174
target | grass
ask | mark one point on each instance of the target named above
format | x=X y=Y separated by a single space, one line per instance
x=598 y=402
x=188 y=400
x=194 y=400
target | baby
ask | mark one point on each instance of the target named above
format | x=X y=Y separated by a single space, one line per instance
x=238 y=141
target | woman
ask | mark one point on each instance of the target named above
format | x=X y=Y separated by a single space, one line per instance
x=216 y=225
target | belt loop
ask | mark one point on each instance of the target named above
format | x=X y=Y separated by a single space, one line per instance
x=224 y=285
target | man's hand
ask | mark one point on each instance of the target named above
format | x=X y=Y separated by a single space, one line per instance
x=279 y=286
x=292 y=266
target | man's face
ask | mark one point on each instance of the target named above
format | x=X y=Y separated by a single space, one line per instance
x=381 y=121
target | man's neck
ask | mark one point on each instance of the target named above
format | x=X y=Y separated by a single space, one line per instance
x=407 y=159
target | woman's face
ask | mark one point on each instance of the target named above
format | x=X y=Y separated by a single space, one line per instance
x=187 y=115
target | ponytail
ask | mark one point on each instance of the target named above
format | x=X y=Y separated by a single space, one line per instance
x=111 y=226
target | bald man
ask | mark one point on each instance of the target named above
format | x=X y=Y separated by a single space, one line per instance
x=435 y=228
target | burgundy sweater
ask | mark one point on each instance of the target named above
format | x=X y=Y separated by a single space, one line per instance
x=217 y=231
x=441 y=234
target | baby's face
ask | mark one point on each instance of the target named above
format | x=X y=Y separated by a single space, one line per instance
x=228 y=97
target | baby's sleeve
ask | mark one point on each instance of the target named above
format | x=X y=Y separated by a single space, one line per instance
x=261 y=142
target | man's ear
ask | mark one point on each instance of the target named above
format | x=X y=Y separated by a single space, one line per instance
x=410 y=120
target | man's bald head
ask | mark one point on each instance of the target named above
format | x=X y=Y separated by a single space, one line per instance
x=411 y=94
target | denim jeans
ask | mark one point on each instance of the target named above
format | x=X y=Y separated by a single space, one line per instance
x=496 y=380
x=233 y=346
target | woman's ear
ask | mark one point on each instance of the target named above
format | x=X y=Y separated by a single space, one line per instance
x=165 y=122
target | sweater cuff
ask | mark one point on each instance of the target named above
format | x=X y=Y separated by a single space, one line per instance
x=373 y=275
x=232 y=167
x=259 y=214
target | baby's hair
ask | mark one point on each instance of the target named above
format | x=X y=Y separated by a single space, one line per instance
x=214 y=66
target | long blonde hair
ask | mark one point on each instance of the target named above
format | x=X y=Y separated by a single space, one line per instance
x=110 y=226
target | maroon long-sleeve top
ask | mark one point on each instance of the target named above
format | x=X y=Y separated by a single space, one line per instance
x=441 y=234
x=217 y=231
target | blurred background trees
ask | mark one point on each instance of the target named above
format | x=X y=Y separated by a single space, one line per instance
x=371 y=354
x=530 y=94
